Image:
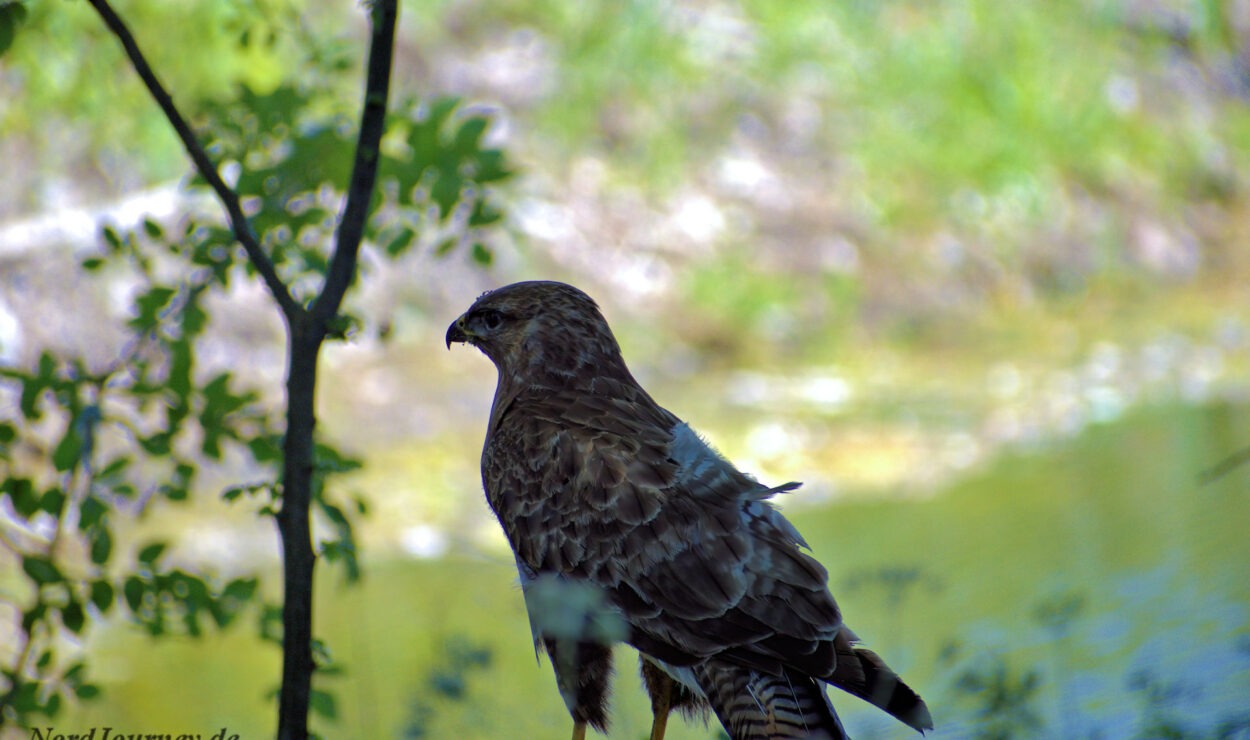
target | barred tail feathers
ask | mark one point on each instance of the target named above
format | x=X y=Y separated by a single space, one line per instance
x=753 y=705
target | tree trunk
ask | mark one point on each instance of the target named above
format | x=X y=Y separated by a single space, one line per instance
x=294 y=528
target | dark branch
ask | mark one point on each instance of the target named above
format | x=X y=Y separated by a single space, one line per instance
x=238 y=222
x=365 y=169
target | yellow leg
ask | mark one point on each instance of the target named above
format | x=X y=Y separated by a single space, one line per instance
x=658 y=723
x=661 y=704
x=579 y=731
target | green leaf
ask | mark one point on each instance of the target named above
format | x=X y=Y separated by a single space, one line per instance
x=102 y=594
x=69 y=450
x=101 y=544
x=270 y=627
x=483 y=213
x=481 y=254
x=72 y=617
x=153 y=229
x=173 y=492
x=133 y=590
x=326 y=459
x=53 y=501
x=157 y=445
x=194 y=319
x=220 y=402
x=87 y=691
x=113 y=468
x=318 y=156
x=333 y=513
x=31 y=390
x=470 y=133
x=91 y=264
x=47 y=368
x=491 y=166
x=321 y=653
x=33 y=386
x=323 y=704
x=445 y=246
x=233 y=598
x=266 y=449
x=149 y=554
x=180 y=360
x=400 y=242
x=22 y=493
x=35 y=614
x=331 y=551
x=240 y=589
x=342 y=326
x=90 y=512
x=74 y=674
x=446 y=192
x=112 y=238
x=41 y=570
x=149 y=306
x=12 y=15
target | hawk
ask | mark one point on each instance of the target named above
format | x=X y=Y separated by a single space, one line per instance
x=626 y=525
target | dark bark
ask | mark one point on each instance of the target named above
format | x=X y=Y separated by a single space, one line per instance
x=294 y=528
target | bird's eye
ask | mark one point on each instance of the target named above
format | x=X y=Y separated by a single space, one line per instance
x=492 y=319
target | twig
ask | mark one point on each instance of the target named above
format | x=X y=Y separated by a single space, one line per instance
x=365 y=169
x=238 y=221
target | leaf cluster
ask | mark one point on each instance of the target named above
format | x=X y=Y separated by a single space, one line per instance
x=85 y=446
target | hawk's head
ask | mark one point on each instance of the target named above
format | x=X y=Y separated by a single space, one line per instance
x=539 y=329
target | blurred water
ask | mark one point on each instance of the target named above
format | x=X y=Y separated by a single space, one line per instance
x=1102 y=566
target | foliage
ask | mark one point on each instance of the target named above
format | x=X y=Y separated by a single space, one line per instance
x=446 y=682
x=257 y=43
x=1005 y=697
x=71 y=468
x=87 y=445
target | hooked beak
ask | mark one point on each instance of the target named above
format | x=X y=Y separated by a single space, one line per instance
x=456 y=332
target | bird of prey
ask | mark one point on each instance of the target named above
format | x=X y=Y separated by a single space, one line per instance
x=626 y=525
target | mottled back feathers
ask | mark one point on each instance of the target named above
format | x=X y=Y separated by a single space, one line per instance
x=594 y=482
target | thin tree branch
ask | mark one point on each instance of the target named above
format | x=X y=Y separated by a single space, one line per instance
x=365 y=169
x=238 y=221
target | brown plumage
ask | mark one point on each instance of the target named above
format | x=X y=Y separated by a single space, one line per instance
x=626 y=525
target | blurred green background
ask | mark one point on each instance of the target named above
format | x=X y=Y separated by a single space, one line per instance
x=974 y=271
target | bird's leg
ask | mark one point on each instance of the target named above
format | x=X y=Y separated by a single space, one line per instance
x=579 y=731
x=658 y=724
x=661 y=705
